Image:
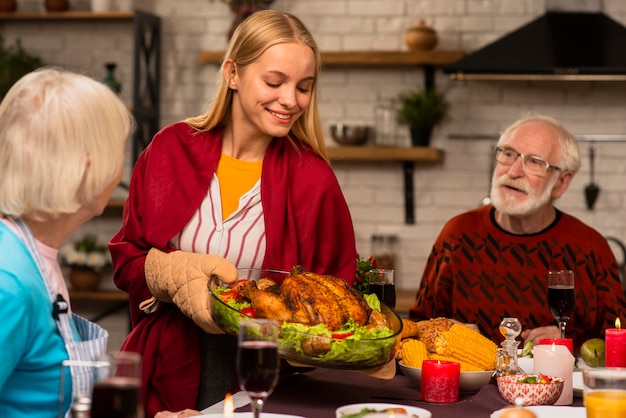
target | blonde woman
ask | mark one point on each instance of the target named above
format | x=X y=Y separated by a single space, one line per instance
x=248 y=181
x=62 y=139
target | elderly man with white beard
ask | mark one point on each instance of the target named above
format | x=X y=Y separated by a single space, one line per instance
x=492 y=262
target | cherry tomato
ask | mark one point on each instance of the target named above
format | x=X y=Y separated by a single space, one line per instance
x=249 y=311
x=543 y=378
x=228 y=295
x=341 y=335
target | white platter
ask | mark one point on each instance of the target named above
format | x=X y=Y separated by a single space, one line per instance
x=358 y=407
x=548 y=411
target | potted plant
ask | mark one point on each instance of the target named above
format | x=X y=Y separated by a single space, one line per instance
x=15 y=62
x=86 y=259
x=422 y=110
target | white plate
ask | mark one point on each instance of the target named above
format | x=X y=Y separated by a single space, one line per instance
x=249 y=415
x=358 y=407
x=547 y=411
x=577 y=383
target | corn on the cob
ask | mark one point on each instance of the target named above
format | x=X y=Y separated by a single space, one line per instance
x=463 y=343
x=465 y=366
x=414 y=352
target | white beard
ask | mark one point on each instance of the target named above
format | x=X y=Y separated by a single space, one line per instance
x=516 y=206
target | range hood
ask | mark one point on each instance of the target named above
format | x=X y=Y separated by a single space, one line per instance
x=555 y=46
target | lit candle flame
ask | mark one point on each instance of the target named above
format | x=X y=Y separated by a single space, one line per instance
x=618 y=323
x=553 y=345
x=229 y=406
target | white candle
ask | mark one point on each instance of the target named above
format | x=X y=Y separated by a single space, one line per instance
x=556 y=360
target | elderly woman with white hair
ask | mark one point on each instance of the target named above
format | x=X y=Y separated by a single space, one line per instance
x=62 y=141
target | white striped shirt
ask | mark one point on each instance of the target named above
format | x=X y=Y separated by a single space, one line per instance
x=240 y=238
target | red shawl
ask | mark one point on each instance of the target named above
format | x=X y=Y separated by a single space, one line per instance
x=307 y=222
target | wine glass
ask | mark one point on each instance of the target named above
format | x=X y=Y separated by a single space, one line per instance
x=381 y=283
x=257 y=359
x=561 y=296
x=116 y=388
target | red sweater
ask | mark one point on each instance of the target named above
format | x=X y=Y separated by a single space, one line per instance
x=478 y=273
x=307 y=222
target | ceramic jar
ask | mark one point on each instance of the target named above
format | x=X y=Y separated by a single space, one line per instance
x=84 y=279
x=101 y=5
x=57 y=5
x=421 y=37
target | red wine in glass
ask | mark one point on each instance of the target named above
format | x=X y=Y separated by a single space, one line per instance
x=386 y=293
x=258 y=362
x=116 y=397
x=561 y=297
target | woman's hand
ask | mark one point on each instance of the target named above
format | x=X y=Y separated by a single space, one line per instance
x=179 y=414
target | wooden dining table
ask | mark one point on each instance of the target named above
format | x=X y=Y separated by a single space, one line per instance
x=319 y=392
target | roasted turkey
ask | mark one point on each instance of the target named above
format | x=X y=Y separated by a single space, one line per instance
x=309 y=299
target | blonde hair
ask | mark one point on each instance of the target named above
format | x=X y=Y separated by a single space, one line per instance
x=251 y=39
x=51 y=122
x=570 y=152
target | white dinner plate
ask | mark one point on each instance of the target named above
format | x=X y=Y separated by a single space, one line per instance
x=577 y=383
x=547 y=411
x=358 y=407
x=249 y=415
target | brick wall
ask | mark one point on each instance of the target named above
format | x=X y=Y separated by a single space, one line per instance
x=374 y=191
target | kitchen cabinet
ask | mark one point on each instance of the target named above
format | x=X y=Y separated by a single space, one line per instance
x=146 y=61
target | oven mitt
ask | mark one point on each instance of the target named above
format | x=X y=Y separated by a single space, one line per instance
x=182 y=278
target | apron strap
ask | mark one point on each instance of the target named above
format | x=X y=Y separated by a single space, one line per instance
x=84 y=340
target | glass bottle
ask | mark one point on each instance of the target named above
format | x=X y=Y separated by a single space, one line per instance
x=81 y=407
x=506 y=361
x=110 y=79
x=385 y=124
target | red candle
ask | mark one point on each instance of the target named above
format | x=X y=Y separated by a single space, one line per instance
x=615 y=346
x=567 y=342
x=440 y=381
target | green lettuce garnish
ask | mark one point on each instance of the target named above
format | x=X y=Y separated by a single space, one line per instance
x=362 y=347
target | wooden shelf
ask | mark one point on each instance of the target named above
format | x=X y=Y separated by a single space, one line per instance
x=366 y=153
x=69 y=15
x=407 y=156
x=367 y=58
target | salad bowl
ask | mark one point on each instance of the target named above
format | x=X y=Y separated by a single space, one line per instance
x=351 y=347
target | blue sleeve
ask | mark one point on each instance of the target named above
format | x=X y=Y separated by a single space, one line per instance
x=14 y=302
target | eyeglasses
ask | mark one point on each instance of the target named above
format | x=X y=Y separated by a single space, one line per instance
x=531 y=163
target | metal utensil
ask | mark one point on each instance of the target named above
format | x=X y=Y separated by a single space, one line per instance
x=592 y=190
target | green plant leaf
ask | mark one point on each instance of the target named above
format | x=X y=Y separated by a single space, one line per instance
x=425 y=108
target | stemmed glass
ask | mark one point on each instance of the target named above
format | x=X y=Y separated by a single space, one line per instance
x=117 y=385
x=257 y=359
x=561 y=296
